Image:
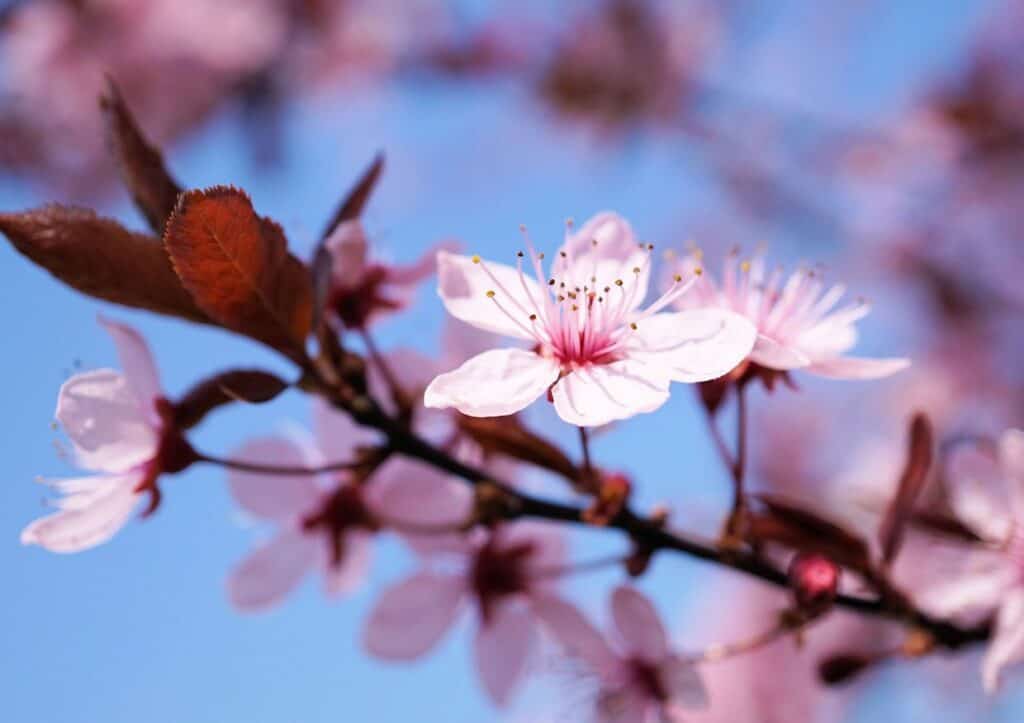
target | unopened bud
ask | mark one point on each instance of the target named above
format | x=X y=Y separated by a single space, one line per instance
x=612 y=495
x=814 y=580
x=841 y=669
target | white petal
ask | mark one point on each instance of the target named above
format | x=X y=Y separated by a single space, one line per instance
x=138 y=365
x=978 y=492
x=99 y=414
x=1007 y=645
x=93 y=520
x=463 y=287
x=968 y=593
x=694 y=346
x=776 y=355
x=493 y=384
x=603 y=393
x=273 y=570
x=847 y=367
x=275 y=497
x=612 y=258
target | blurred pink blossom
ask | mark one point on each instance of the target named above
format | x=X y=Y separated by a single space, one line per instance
x=797 y=324
x=505 y=573
x=641 y=680
x=988 y=495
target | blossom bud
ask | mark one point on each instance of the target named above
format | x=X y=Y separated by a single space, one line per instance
x=814 y=579
x=612 y=495
x=842 y=668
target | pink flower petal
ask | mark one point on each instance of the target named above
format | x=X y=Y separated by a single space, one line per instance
x=273 y=497
x=857 y=368
x=463 y=286
x=969 y=592
x=603 y=393
x=415 y=493
x=101 y=417
x=337 y=435
x=493 y=384
x=411 y=617
x=345 y=577
x=979 y=492
x=546 y=539
x=1007 y=645
x=573 y=632
x=273 y=570
x=1011 y=461
x=503 y=648
x=639 y=625
x=425 y=266
x=138 y=365
x=683 y=683
x=628 y=704
x=775 y=355
x=614 y=256
x=693 y=346
x=90 y=519
x=348 y=247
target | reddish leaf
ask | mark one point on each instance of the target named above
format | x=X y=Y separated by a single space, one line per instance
x=101 y=258
x=142 y=168
x=237 y=267
x=238 y=385
x=508 y=436
x=352 y=205
x=801 y=529
x=912 y=481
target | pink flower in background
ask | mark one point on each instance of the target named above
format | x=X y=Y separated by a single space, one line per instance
x=361 y=289
x=326 y=522
x=121 y=428
x=642 y=681
x=504 y=574
x=988 y=496
x=598 y=356
x=797 y=324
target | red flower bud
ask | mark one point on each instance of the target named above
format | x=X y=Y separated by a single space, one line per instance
x=814 y=579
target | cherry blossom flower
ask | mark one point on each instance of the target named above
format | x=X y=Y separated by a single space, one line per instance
x=988 y=496
x=504 y=574
x=595 y=353
x=641 y=679
x=797 y=324
x=326 y=522
x=122 y=428
x=362 y=289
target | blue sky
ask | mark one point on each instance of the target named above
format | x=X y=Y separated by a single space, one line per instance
x=140 y=629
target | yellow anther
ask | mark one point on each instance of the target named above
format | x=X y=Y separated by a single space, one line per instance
x=698 y=271
x=745 y=266
x=533 y=317
x=593 y=241
x=633 y=326
x=618 y=282
x=575 y=308
x=636 y=269
x=678 y=278
x=540 y=256
x=476 y=259
x=490 y=293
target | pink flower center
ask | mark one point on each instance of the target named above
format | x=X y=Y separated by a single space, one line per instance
x=647 y=678
x=342 y=511
x=577 y=317
x=355 y=304
x=497 y=572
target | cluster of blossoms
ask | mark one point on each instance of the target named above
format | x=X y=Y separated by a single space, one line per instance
x=589 y=343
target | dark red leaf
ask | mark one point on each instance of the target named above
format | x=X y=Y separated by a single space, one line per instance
x=251 y=386
x=912 y=481
x=510 y=437
x=794 y=526
x=101 y=258
x=352 y=205
x=237 y=267
x=142 y=168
